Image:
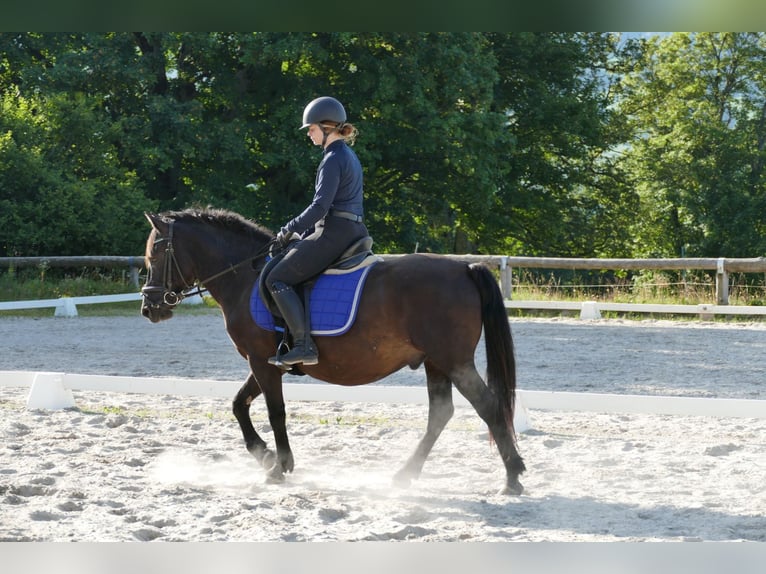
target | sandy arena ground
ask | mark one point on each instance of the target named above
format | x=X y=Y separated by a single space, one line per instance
x=127 y=467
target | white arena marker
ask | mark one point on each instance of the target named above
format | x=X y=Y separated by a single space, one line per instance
x=521 y=420
x=590 y=310
x=65 y=308
x=48 y=393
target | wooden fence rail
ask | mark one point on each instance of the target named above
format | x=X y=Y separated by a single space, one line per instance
x=134 y=264
x=505 y=264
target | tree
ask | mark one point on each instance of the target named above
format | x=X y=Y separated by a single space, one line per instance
x=62 y=190
x=427 y=136
x=698 y=106
x=562 y=191
x=488 y=142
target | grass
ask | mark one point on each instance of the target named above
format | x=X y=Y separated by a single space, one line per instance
x=90 y=408
x=651 y=288
x=44 y=283
x=678 y=288
x=654 y=288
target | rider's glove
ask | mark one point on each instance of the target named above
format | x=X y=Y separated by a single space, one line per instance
x=284 y=237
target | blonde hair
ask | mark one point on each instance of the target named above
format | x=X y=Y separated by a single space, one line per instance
x=346 y=130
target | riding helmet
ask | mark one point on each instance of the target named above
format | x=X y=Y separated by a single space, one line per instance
x=324 y=109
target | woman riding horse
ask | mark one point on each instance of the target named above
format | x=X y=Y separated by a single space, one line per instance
x=331 y=223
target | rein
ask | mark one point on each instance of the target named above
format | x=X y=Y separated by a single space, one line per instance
x=172 y=298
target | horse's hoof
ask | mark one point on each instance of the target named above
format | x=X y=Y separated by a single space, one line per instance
x=402 y=479
x=514 y=489
x=275 y=475
x=269 y=459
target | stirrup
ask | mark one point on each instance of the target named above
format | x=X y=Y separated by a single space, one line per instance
x=276 y=360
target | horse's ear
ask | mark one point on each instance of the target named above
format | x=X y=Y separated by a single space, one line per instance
x=156 y=220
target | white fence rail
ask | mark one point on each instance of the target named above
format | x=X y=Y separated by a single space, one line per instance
x=53 y=384
x=67 y=306
x=593 y=309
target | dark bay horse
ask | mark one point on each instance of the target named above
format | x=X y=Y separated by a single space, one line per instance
x=415 y=310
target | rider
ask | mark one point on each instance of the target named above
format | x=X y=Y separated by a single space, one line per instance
x=331 y=223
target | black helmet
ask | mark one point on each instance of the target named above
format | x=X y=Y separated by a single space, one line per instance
x=324 y=109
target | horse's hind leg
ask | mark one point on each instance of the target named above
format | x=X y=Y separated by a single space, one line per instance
x=472 y=387
x=241 y=408
x=440 y=410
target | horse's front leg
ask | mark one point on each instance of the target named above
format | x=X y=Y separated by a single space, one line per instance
x=284 y=461
x=270 y=383
x=241 y=407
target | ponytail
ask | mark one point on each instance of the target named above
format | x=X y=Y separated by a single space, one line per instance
x=347 y=131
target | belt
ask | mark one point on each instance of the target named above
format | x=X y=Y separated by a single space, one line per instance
x=346 y=215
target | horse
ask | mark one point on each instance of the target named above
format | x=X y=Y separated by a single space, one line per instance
x=415 y=309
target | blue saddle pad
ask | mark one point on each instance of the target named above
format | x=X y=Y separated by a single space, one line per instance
x=334 y=301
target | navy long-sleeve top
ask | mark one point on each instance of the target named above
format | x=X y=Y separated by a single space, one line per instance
x=339 y=185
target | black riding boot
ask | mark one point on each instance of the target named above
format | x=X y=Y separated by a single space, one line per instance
x=304 y=351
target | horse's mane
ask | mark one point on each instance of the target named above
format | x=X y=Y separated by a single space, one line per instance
x=223 y=219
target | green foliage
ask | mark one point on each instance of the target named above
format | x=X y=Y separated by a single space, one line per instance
x=698 y=108
x=63 y=190
x=560 y=144
x=37 y=285
x=562 y=192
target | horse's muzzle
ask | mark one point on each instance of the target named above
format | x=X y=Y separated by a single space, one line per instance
x=155 y=305
x=156 y=313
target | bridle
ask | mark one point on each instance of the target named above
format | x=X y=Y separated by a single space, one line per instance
x=172 y=297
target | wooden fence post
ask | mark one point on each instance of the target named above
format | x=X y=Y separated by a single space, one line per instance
x=135 y=264
x=721 y=283
x=506 y=278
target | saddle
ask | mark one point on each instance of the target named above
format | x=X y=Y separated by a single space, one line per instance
x=356 y=256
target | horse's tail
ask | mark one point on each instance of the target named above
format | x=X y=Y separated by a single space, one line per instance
x=501 y=362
